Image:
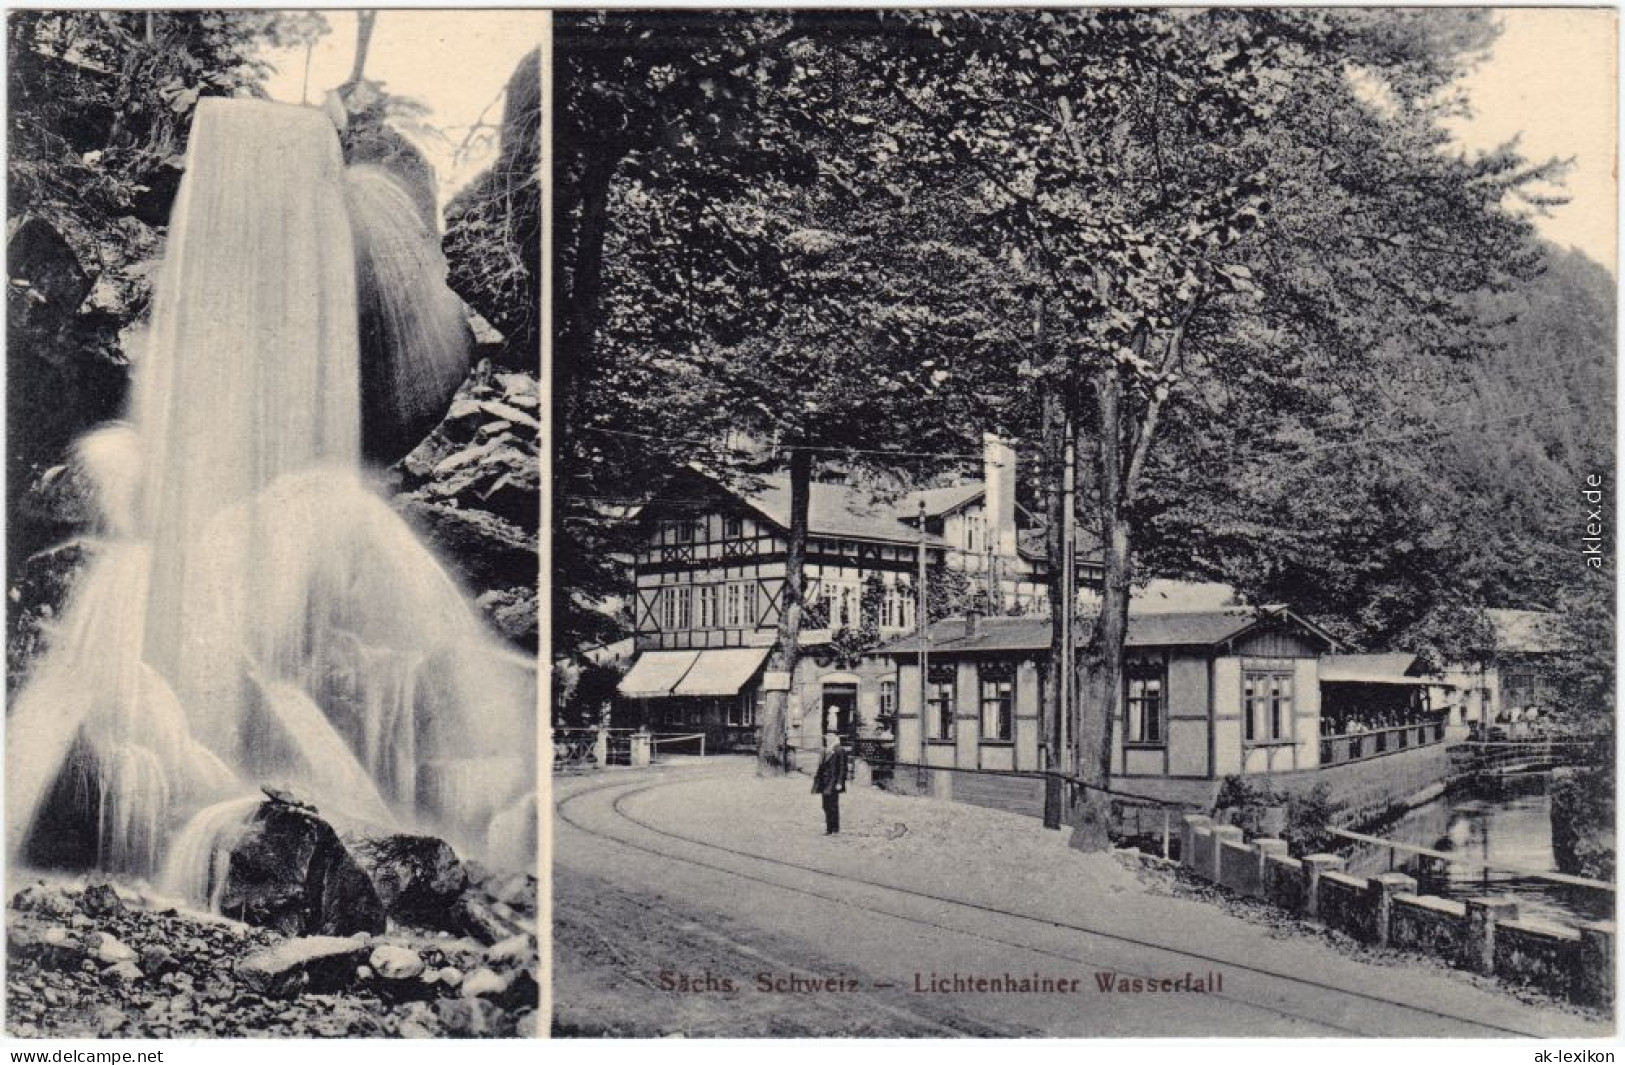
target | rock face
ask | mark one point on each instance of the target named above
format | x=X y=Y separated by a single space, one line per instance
x=291 y=873
x=419 y=879
x=472 y=489
x=493 y=228
x=38 y=591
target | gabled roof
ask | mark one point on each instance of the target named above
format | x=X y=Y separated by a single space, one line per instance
x=836 y=510
x=1191 y=628
x=1396 y=667
x=940 y=501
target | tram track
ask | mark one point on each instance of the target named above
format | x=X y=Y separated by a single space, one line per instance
x=630 y=790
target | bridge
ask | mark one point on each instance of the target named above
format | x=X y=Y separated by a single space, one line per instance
x=1531 y=755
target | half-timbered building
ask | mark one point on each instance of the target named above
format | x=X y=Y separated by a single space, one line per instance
x=709 y=589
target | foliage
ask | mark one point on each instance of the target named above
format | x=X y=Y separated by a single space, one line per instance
x=1230 y=244
x=1583 y=822
x=99 y=108
x=849 y=644
x=1309 y=815
x=493 y=228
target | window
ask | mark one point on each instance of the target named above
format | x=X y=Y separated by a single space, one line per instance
x=998 y=700
x=733 y=598
x=975 y=533
x=1267 y=705
x=707 y=595
x=1145 y=702
x=897 y=608
x=733 y=528
x=685 y=606
x=840 y=603
x=939 y=701
x=888 y=703
x=668 y=608
x=748 y=601
x=742 y=709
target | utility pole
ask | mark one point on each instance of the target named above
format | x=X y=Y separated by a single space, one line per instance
x=1069 y=582
x=922 y=621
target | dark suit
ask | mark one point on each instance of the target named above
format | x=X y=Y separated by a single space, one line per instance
x=829 y=781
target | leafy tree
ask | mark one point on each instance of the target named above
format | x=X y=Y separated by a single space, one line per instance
x=1216 y=203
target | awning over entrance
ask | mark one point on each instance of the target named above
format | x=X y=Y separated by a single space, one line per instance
x=720 y=673
x=660 y=674
x=1371 y=669
x=655 y=673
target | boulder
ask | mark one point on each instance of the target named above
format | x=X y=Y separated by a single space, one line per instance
x=515 y=950
x=483 y=982
x=101 y=900
x=488 y=551
x=479 y=922
x=521 y=992
x=55 y=948
x=156 y=958
x=390 y=962
x=43 y=900
x=514 y=612
x=124 y=972
x=467 y=1017
x=418 y=878
x=106 y=948
x=291 y=873
x=309 y=963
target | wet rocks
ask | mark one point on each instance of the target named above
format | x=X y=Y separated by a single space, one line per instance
x=291 y=873
x=140 y=971
x=480 y=922
x=419 y=879
x=395 y=963
x=100 y=900
x=123 y=972
x=44 y=900
x=106 y=948
x=313 y=963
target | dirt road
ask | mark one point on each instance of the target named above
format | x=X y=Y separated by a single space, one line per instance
x=703 y=901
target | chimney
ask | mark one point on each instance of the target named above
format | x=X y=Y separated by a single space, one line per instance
x=999 y=481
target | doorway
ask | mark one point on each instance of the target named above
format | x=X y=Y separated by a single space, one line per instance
x=839 y=706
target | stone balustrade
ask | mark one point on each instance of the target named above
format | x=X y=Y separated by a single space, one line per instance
x=1482 y=935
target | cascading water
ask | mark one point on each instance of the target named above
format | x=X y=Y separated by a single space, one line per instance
x=254 y=613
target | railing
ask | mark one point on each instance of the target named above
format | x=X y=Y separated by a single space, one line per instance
x=1395 y=848
x=881 y=756
x=1508 y=756
x=1357 y=746
x=576 y=750
x=669 y=738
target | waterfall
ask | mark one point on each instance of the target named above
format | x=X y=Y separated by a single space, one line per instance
x=254 y=613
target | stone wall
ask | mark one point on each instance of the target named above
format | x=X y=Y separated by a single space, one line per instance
x=1482 y=935
x=1369 y=788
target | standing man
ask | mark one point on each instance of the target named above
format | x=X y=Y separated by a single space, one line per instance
x=830 y=780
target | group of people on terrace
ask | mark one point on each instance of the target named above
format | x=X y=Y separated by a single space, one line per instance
x=1356 y=722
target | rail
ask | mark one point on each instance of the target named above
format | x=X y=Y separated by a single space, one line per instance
x=1393 y=847
x=1347 y=747
x=1063 y=792
x=666 y=737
